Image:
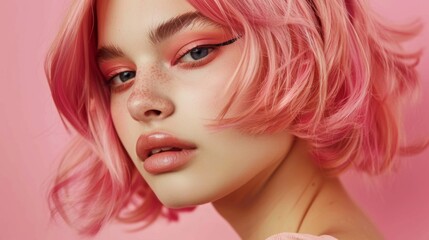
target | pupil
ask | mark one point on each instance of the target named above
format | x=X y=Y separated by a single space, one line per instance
x=124 y=76
x=199 y=53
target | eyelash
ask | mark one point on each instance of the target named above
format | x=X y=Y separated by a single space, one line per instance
x=193 y=64
x=213 y=47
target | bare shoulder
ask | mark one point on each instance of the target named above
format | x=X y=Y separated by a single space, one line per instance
x=360 y=231
x=334 y=213
x=356 y=235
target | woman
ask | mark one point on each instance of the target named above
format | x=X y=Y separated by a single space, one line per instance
x=255 y=106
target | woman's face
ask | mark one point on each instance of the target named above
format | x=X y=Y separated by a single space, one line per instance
x=167 y=80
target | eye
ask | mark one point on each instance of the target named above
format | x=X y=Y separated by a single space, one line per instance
x=122 y=77
x=196 y=54
x=199 y=55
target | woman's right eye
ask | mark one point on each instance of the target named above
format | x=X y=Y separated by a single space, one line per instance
x=122 y=77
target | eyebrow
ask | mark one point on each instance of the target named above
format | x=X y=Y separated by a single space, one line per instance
x=159 y=33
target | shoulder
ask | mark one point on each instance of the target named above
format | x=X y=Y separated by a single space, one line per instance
x=298 y=236
x=358 y=235
x=334 y=236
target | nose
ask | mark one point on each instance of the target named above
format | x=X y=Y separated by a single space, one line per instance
x=146 y=104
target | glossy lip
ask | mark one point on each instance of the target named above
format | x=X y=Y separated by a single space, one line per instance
x=164 y=161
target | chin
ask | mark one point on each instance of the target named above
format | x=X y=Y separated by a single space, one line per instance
x=178 y=201
x=181 y=193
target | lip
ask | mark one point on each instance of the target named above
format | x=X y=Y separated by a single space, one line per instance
x=164 y=161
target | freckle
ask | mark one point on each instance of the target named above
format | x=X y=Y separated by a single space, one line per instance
x=158 y=75
x=139 y=93
x=140 y=98
x=154 y=74
x=143 y=97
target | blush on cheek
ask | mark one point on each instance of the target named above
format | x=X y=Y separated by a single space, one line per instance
x=118 y=107
x=123 y=124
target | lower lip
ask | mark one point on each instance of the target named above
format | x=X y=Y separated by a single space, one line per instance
x=167 y=161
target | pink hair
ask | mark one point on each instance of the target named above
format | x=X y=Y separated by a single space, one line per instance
x=327 y=72
x=96 y=180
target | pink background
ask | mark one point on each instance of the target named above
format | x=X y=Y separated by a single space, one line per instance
x=32 y=136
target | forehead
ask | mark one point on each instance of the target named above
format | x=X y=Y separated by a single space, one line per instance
x=117 y=19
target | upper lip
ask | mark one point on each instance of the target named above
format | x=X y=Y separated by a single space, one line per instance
x=148 y=142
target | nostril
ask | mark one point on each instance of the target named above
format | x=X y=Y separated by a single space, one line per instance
x=152 y=113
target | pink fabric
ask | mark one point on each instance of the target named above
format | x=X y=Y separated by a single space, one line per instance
x=297 y=236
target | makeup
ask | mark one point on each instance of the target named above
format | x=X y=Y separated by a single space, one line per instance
x=162 y=152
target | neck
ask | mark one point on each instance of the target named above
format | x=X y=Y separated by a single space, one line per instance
x=277 y=200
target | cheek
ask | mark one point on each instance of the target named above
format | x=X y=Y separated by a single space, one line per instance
x=231 y=160
x=207 y=88
x=117 y=110
x=124 y=123
x=250 y=153
x=261 y=155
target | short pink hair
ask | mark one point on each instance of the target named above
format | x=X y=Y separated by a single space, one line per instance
x=326 y=71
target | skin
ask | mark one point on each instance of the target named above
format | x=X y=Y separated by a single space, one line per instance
x=262 y=185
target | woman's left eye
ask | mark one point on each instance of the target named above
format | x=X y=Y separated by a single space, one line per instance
x=199 y=55
x=196 y=54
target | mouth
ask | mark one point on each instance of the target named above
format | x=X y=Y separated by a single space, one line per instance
x=162 y=152
x=164 y=149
